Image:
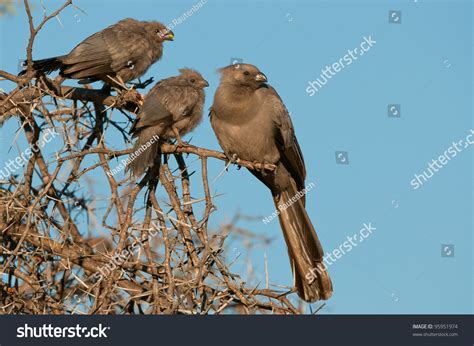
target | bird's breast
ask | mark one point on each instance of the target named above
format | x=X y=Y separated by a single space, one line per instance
x=251 y=138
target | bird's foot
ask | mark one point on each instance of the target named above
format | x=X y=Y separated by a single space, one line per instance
x=260 y=166
x=180 y=143
x=142 y=85
x=232 y=159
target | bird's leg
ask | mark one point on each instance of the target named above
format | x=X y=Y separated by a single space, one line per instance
x=178 y=137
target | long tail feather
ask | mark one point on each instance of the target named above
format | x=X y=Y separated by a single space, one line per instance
x=46 y=65
x=306 y=254
x=146 y=151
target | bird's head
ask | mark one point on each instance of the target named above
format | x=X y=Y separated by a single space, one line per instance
x=243 y=75
x=160 y=32
x=192 y=78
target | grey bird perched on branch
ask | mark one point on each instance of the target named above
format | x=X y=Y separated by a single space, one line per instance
x=171 y=109
x=122 y=52
x=252 y=123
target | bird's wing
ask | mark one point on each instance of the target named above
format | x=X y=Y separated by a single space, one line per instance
x=165 y=103
x=290 y=151
x=153 y=110
x=106 y=52
x=180 y=101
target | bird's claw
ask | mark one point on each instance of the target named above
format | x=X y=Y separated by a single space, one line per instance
x=260 y=167
x=142 y=85
x=180 y=143
x=232 y=159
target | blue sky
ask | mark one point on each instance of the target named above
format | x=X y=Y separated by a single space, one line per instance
x=423 y=64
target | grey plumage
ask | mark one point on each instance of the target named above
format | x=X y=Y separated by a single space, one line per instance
x=252 y=123
x=171 y=109
x=123 y=51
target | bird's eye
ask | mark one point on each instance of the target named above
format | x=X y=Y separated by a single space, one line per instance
x=246 y=73
x=192 y=80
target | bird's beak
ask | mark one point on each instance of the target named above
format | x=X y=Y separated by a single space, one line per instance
x=260 y=77
x=169 y=36
x=205 y=83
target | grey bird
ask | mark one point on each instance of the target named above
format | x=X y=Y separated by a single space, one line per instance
x=124 y=51
x=171 y=109
x=252 y=123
